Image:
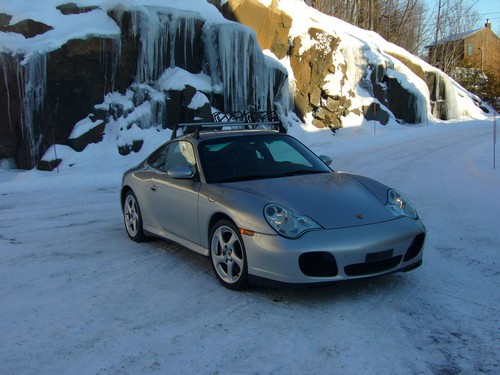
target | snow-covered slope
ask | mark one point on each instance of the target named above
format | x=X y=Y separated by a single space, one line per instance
x=360 y=53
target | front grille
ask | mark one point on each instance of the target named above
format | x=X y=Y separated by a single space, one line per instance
x=415 y=247
x=318 y=264
x=360 y=269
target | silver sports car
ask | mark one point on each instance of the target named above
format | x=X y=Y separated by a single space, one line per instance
x=265 y=208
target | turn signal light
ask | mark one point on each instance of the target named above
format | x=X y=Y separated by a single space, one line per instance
x=247 y=232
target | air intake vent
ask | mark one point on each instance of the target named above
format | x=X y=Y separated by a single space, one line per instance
x=318 y=264
x=415 y=247
x=361 y=269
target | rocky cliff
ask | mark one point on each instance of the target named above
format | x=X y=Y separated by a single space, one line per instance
x=157 y=66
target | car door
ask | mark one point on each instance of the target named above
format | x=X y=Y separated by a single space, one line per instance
x=174 y=201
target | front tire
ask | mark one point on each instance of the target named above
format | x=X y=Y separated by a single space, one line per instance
x=228 y=257
x=132 y=218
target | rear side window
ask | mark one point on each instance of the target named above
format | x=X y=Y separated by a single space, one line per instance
x=159 y=157
x=175 y=154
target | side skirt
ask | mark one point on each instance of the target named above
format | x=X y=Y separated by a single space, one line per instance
x=181 y=241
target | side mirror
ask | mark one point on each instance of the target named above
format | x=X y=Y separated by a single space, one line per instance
x=180 y=173
x=326 y=159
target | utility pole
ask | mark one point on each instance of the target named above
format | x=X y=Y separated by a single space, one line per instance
x=482 y=58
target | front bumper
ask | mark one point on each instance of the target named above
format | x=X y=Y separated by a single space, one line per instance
x=324 y=256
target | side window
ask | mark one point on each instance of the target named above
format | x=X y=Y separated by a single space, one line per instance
x=180 y=154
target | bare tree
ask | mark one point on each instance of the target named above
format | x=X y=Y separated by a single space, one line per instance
x=399 y=21
x=455 y=18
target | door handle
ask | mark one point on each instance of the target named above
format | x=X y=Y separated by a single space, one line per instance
x=153 y=187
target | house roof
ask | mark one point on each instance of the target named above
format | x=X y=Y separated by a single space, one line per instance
x=458 y=36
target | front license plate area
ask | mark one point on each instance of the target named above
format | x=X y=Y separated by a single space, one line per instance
x=379 y=255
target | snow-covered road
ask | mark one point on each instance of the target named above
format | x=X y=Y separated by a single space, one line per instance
x=78 y=297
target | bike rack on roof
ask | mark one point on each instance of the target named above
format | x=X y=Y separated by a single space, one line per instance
x=239 y=120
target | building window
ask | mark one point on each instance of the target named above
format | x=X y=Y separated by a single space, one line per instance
x=470 y=49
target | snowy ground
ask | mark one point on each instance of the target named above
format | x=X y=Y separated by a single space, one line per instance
x=78 y=297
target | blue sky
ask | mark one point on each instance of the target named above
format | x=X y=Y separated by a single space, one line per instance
x=487 y=9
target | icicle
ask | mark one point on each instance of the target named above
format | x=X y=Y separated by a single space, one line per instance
x=5 y=66
x=437 y=96
x=107 y=66
x=30 y=76
x=235 y=60
x=34 y=72
x=284 y=100
x=210 y=41
x=450 y=104
x=158 y=108
x=159 y=32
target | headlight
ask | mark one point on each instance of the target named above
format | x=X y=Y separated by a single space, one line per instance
x=400 y=205
x=288 y=223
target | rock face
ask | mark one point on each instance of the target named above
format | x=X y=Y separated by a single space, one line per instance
x=72 y=88
x=271 y=25
x=317 y=58
x=27 y=28
x=390 y=92
x=311 y=65
x=46 y=95
x=311 y=68
x=168 y=66
x=72 y=8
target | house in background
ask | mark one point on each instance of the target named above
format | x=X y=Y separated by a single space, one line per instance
x=479 y=49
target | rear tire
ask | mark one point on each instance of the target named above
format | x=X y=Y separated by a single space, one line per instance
x=132 y=217
x=228 y=256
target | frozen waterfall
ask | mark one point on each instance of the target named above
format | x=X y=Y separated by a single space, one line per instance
x=235 y=61
x=228 y=52
x=30 y=77
x=163 y=34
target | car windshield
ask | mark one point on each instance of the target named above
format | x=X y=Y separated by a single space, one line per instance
x=253 y=157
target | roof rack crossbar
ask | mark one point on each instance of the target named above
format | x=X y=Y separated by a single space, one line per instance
x=198 y=126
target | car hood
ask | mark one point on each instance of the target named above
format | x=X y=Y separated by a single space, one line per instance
x=333 y=200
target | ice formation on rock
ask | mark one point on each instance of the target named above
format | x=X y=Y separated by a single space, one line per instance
x=162 y=32
x=31 y=80
x=235 y=61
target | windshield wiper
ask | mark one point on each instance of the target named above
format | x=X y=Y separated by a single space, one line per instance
x=303 y=171
x=244 y=178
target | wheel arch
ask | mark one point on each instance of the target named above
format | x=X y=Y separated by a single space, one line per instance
x=123 y=193
x=216 y=217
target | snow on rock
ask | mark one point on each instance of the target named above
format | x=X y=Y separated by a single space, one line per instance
x=146 y=41
x=177 y=79
x=339 y=74
x=84 y=126
x=361 y=52
x=198 y=101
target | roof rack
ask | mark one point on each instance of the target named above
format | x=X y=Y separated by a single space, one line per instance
x=239 y=120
